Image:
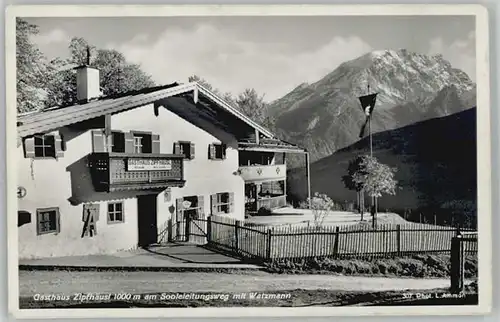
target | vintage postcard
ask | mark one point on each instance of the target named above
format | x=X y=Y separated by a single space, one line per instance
x=248 y=160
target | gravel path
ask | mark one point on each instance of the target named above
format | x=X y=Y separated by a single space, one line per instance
x=68 y=283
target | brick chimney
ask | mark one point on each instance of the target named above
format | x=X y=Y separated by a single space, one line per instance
x=87 y=81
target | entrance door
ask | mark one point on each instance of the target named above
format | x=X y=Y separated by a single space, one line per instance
x=146 y=212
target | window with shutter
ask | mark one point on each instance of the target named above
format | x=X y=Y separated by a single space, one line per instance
x=217 y=151
x=142 y=142
x=220 y=203
x=186 y=148
x=43 y=146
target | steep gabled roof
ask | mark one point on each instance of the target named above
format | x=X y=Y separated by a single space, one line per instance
x=53 y=118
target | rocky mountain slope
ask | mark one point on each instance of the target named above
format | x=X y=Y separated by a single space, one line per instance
x=326 y=116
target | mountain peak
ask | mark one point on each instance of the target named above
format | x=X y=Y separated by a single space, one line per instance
x=324 y=116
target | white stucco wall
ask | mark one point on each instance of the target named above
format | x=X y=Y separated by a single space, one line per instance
x=49 y=184
x=53 y=183
x=203 y=176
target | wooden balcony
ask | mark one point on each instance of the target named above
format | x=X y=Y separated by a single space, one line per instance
x=271 y=202
x=126 y=171
x=260 y=173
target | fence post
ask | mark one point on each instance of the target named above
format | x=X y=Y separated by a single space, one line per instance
x=209 y=229
x=170 y=230
x=237 y=235
x=457 y=265
x=398 y=238
x=336 y=242
x=269 y=237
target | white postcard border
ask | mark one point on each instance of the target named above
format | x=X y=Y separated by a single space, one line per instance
x=483 y=151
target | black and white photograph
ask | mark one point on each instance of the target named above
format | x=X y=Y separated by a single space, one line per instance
x=331 y=160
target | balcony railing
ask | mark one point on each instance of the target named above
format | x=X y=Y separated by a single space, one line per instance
x=256 y=173
x=272 y=202
x=126 y=171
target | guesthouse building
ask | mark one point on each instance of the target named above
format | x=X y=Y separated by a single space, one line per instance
x=121 y=172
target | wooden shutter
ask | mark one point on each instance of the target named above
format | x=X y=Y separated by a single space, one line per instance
x=98 y=143
x=223 y=147
x=129 y=142
x=58 y=146
x=155 y=143
x=191 y=151
x=179 y=208
x=231 y=202
x=213 y=204
x=211 y=151
x=29 y=147
x=201 y=207
x=177 y=148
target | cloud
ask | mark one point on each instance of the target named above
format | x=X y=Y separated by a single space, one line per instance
x=461 y=53
x=51 y=37
x=231 y=63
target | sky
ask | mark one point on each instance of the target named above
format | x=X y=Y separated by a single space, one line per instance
x=271 y=54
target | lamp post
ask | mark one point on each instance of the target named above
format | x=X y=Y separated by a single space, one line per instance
x=368 y=104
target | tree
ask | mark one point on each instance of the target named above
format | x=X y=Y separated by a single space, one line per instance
x=367 y=174
x=33 y=70
x=254 y=106
x=249 y=102
x=116 y=74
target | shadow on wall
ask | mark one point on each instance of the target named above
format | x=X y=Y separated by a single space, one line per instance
x=163 y=229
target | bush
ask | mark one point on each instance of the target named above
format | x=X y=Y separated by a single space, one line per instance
x=264 y=211
x=410 y=266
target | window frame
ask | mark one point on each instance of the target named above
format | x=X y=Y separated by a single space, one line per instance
x=182 y=145
x=198 y=208
x=57 y=214
x=44 y=146
x=219 y=152
x=114 y=212
x=138 y=147
x=220 y=203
